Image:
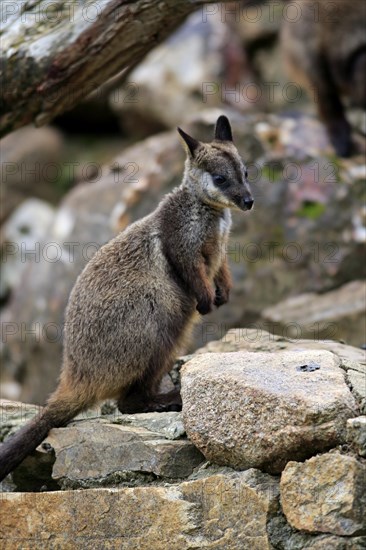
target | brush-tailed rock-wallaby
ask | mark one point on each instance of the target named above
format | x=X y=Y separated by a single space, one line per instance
x=138 y=298
x=325 y=50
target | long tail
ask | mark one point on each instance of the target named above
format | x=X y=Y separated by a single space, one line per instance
x=57 y=413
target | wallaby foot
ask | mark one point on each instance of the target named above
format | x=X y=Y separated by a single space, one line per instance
x=138 y=402
x=165 y=402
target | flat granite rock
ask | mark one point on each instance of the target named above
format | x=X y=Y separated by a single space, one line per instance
x=353 y=359
x=260 y=410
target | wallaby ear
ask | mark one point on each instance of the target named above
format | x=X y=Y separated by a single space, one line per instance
x=223 y=129
x=190 y=144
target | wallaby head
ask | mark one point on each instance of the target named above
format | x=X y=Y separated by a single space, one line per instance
x=215 y=171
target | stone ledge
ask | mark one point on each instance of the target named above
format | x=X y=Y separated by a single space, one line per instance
x=228 y=511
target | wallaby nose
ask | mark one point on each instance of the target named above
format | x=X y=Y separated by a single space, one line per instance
x=248 y=203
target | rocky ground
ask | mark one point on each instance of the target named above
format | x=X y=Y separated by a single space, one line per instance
x=269 y=452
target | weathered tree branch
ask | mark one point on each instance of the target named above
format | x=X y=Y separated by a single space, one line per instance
x=55 y=53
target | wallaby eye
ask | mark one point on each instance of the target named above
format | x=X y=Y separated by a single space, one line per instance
x=218 y=179
x=246 y=174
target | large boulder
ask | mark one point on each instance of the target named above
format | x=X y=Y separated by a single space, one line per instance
x=326 y=494
x=30 y=166
x=20 y=238
x=260 y=410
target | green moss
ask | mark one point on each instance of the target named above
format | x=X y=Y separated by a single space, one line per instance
x=64 y=183
x=311 y=210
x=334 y=168
x=272 y=172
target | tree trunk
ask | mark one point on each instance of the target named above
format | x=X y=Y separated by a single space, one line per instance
x=54 y=53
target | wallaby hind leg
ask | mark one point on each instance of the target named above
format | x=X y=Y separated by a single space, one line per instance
x=134 y=399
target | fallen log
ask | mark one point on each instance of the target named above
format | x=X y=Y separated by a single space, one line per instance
x=55 y=52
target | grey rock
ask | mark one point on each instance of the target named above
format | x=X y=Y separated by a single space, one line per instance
x=20 y=236
x=34 y=474
x=258 y=339
x=357 y=381
x=30 y=159
x=257 y=410
x=13 y=415
x=96 y=450
x=91 y=451
x=336 y=543
x=338 y=314
x=356 y=434
x=284 y=537
x=169 y=424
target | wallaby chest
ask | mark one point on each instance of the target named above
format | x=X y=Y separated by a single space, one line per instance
x=214 y=246
x=225 y=225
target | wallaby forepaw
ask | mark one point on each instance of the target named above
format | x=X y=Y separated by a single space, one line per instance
x=221 y=297
x=204 y=306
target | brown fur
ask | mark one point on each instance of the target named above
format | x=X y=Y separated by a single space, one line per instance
x=137 y=300
x=325 y=49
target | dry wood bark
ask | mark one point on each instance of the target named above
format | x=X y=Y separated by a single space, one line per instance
x=55 y=52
